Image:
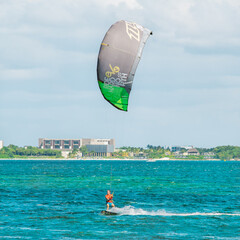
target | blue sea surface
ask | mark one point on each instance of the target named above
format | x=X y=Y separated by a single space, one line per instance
x=155 y=200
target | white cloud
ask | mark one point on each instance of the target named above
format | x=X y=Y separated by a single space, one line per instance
x=42 y=99
x=132 y=4
x=22 y=74
x=209 y=23
x=188 y=76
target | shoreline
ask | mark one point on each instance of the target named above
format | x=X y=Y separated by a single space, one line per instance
x=113 y=159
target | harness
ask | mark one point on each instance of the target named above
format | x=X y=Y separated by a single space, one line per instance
x=108 y=198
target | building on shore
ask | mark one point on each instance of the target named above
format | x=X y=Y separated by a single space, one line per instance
x=192 y=152
x=179 y=148
x=59 y=144
x=175 y=148
x=95 y=147
x=99 y=147
x=209 y=155
x=1 y=144
x=140 y=155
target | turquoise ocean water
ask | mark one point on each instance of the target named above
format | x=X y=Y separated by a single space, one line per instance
x=159 y=200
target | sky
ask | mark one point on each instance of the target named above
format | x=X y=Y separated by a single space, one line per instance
x=186 y=89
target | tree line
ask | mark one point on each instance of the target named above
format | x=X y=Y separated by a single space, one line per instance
x=13 y=151
x=220 y=152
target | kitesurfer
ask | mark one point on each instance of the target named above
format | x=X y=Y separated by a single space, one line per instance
x=109 y=199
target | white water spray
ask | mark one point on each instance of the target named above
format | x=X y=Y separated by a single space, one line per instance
x=129 y=210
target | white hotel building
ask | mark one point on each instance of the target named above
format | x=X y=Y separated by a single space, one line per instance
x=99 y=147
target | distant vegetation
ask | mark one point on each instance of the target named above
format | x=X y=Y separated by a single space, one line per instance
x=221 y=152
x=150 y=152
x=227 y=152
x=13 y=151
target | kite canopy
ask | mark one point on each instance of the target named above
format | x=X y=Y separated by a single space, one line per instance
x=119 y=55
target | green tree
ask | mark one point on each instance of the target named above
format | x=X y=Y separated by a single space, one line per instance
x=84 y=150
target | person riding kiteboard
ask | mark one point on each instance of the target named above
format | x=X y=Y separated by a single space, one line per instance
x=109 y=200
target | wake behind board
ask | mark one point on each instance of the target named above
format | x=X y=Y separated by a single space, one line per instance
x=108 y=213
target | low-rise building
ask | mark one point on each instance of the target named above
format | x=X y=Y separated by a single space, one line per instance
x=100 y=150
x=95 y=147
x=209 y=155
x=192 y=152
x=59 y=144
x=1 y=144
x=140 y=155
x=99 y=147
x=175 y=148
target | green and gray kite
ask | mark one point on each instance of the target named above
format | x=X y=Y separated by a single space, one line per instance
x=119 y=55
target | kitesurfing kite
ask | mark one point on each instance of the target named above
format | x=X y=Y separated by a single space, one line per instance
x=118 y=58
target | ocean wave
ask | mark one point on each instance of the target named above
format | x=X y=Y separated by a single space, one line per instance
x=130 y=210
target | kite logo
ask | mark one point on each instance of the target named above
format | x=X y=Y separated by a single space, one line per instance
x=133 y=31
x=115 y=70
x=119 y=80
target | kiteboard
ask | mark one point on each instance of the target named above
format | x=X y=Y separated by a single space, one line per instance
x=108 y=213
